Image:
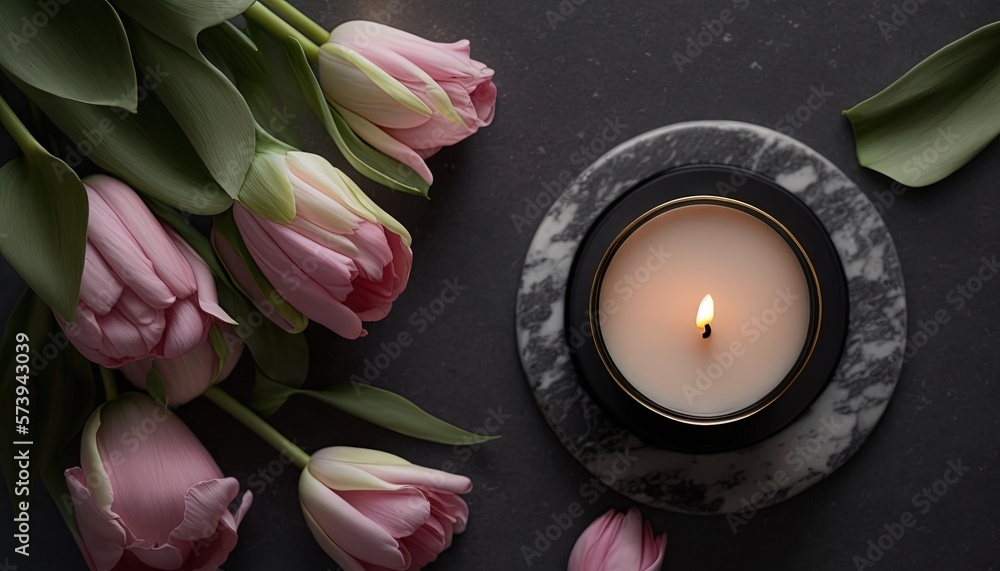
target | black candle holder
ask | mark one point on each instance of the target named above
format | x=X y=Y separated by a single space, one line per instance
x=790 y=218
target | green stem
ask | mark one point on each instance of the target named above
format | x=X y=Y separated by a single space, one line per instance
x=41 y=126
x=258 y=426
x=110 y=384
x=17 y=129
x=317 y=33
x=281 y=29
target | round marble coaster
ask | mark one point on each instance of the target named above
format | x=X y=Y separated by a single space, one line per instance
x=809 y=449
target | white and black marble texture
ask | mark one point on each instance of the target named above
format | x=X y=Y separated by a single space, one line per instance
x=809 y=449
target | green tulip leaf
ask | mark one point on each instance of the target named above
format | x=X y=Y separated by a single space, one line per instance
x=935 y=118
x=367 y=160
x=261 y=78
x=59 y=395
x=225 y=227
x=147 y=150
x=76 y=49
x=377 y=406
x=180 y=21
x=205 y=104
x=43 y=221
x=283 y=356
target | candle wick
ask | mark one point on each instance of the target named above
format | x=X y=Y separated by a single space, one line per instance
x=708 y=331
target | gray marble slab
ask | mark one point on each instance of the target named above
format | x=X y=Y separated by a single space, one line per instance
x=806 y=451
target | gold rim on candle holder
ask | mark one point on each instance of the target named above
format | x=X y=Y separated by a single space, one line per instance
x=815 y=317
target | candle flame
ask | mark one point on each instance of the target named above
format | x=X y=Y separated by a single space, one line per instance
x=706 y=311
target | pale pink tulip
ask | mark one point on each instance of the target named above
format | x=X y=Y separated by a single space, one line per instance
x=618 y=542
x=342 y=260
x=374 y=511
x=142 y=295
x=405 y=95
x=148 y=495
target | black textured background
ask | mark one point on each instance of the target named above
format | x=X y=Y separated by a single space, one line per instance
x=561 y=82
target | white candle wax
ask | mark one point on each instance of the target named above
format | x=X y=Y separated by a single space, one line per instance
x=651 y=292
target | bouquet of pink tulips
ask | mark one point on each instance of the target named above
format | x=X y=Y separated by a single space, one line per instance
x=205 y=236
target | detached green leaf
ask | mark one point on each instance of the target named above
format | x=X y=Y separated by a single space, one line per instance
x=368 y=161
x=148 y=150
x=60 y=389
x=205 y=104
x=937 y=116
x=74 y=49
x=180 y=21
x=377 y=406
x=43 y=222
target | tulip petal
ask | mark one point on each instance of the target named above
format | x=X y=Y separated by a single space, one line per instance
x=188 y=376
x=212 y=555
x=341 y=557
x=425 y=545
x=102 y=536
x=421 y=476
x=591 y=548
x=379 y=139
x=186 y=327
x=100 y=288
x=400 y=512
x=123 y=254
x=342 y=476
x=359 y=536
x=625 y=551
x=205 y=503
x=156 y=460
x=450 y=507
x=147 y=232
x=208 y=298
x=357 y=83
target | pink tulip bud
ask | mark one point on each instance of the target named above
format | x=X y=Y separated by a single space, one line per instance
x=618 y=542
x=341 y=261
x=371 y=510
x=404 y=95
x=144 y=293
x=148 y=495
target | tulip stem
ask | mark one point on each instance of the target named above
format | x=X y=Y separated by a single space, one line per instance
x=17 y=130
x=258 y=426
x=281 y=29
x=110 y=384
x=296 y=18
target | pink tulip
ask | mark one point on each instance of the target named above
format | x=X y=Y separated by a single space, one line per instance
x=404 y=95
x=374 y=511
x=142 y=295
x=618 y=542
x=342 y=261
x=188 y=376
x=148 y=494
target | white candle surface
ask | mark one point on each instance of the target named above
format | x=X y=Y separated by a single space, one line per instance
x=650 y=295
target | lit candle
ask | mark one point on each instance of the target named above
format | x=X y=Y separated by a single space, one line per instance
x=751 y=329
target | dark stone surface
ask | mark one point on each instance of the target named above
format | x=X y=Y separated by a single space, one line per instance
x=610 y=63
